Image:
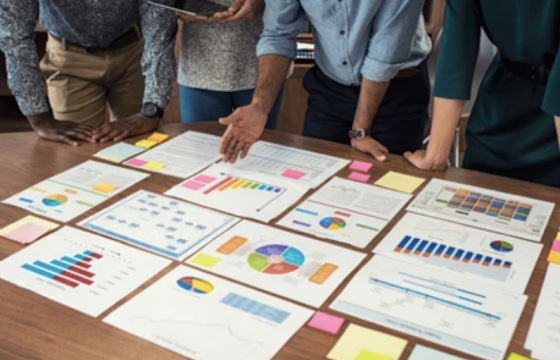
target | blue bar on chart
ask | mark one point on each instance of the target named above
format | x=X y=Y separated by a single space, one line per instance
x=430 y=250
x=440 y=250
x=468 y=257
x=402 y=244
x=421 y=248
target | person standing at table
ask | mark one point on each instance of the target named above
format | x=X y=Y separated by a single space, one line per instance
x=370 y=87
x=514 y=126
x=95 y=57
x=218 y=64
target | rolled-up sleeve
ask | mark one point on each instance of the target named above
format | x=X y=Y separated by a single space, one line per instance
x=394 y=30
x=551 y=102
x=17 y=26
x=460 y=45
x=159 y=28
x=284 y=20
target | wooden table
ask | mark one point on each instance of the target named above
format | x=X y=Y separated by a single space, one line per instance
x=32 y=327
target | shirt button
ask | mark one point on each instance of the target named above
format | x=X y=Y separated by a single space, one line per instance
x=345 y=63
x=342 y=32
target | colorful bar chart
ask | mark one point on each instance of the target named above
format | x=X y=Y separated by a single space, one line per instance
x=208 y=185
x=455 y=258
x=70 y=271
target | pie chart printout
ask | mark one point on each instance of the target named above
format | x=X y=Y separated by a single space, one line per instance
x=276 y=259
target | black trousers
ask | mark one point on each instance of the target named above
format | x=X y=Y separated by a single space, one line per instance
x=399 y=124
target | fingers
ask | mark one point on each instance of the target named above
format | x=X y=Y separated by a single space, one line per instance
x=245 y=150
x=220 y=16
x=65 y=139
x=379 y=153
x=190 y=18
x=415 y=159
x=224 y=145
x=102 y=132
x=81 y=135
x=116 y=133
x=237 y=149
x=122 y=136
x=234 y=8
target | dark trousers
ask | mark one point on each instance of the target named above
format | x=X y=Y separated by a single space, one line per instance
x=399 y=124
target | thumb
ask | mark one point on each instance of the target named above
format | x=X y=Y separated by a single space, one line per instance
x=379 y=154
x=407 y=155
x=232 y=118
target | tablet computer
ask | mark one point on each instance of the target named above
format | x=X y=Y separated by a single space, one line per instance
x=193 y=7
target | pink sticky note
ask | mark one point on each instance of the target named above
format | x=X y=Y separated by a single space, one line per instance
x=136 y=162
x=193 y=185
x=204 y=179
x=293 y=174
x=359 y=177
x=326 y=322
x=361 y=166
x=556 y=245
x=27 y=233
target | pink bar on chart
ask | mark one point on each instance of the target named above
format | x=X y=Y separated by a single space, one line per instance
x=136 y=162
x=193 y=185
x=293 y=174
x=204 y=179
x=359 y=177
x=361 y=166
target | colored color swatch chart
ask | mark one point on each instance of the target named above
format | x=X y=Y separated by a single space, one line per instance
x=487 y=209
x=304 y=167
x=464 y=315
x=346 y=211
x=245 y=324
x=476 y=255
x=239 y=193
x=72 y=193
x=83 y=271
x=160 y=224
x=293 y=266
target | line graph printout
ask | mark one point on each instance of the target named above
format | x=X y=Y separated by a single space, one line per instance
x=472 y=254
x=467 y=316
x=76 y=191
x=203 y=317
x=160 y=224
x=80 y=270
x=346 y=211
x=296 y=267
x=304 y=167
x=241 y=193
x=491 y=210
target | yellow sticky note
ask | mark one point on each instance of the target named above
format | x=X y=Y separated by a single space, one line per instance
x=104 y=187
x=554 y=257
x=400 y=182
x=558 y=236
x=158 y=137
x=206 y=261
x=146 y=144
x=369 y=355
x=357 y=339
x=154 y=166
x=514 y=356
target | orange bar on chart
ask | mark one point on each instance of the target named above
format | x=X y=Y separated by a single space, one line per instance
x=228 y=185
x=323 y=273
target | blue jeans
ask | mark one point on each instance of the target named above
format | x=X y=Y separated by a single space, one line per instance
x=203 y=105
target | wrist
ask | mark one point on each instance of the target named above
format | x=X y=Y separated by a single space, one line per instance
x=437 y=157
x=40 y=119
x=261 y=106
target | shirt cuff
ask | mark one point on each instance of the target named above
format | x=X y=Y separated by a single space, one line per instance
x=374 y=70
x=35 y=106
x=277 y=46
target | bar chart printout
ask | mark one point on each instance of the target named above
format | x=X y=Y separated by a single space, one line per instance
x=495 y=211
x=80 y=270
x=473 y=254
x=473 y=318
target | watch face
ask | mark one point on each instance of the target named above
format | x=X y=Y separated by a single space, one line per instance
x=357 y=134
x=150 y=110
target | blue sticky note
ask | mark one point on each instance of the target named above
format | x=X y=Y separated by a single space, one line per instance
x=119 y=152
x=424 y=353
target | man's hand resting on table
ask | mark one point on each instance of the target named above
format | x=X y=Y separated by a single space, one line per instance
x=245 y=127
x=370 y=146
x=425 y=161
x=61 y=131
x=122 y=129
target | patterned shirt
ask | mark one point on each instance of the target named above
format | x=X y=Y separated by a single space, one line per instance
x=90 y=23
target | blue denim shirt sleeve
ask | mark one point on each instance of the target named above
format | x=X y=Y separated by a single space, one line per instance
x=284 y=20
x=394 y=30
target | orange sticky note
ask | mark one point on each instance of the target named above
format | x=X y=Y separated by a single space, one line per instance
x=158 y=137
x=554 y=257
x=105 y=188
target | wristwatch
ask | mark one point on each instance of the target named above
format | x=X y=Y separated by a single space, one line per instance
x=152 y=111
x=359 y=134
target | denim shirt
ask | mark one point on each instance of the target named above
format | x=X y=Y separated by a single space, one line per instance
x=354 y=39
x=90 y=23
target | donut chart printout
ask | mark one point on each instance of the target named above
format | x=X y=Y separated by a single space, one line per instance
x=346 y=211
x=296 y=267
x=76 y=191
x=223 y=320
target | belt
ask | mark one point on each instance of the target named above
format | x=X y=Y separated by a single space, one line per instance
x=129 y=37
x=407 y=73
x=536 y=73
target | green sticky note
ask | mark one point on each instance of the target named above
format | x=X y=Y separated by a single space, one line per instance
x=370 y=355
x=514 y=356
x=206 y=261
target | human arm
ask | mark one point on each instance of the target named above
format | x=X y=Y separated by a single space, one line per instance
x=551 y=102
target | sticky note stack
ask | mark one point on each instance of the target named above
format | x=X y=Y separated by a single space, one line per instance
x=400 y=182
x=326 y=322
x=554 y=256
x=28 y=229
x=359 y=167
x=119 y=152
x=145 y=164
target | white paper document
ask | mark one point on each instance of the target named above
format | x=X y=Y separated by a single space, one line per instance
x=346 y=211
x=181 y=156
x=203 y=317
x=160 y=224
x=477 y=255
x=240 y=193
x=464 y=315
x=303 y=167
x=544 y=335
x=80 y=270
x=76 y=191
x=487 y=209
x=424 y=353
x=292 y=266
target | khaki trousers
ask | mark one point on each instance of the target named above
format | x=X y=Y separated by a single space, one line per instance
x=92 y=89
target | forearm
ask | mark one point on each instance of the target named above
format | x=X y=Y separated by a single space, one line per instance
x=557 y=121
x=447 y=114
x=272 y=75
x=372 y=94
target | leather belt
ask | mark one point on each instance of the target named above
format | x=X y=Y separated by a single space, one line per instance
x=131 y=36
x=536 y=73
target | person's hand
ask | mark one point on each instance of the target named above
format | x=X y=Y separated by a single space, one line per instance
x=245 y=127
x=191 y=18
x=240 y=10
x=66 y=132
x=122 y=129
x=423 y=161
x=369 y=146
